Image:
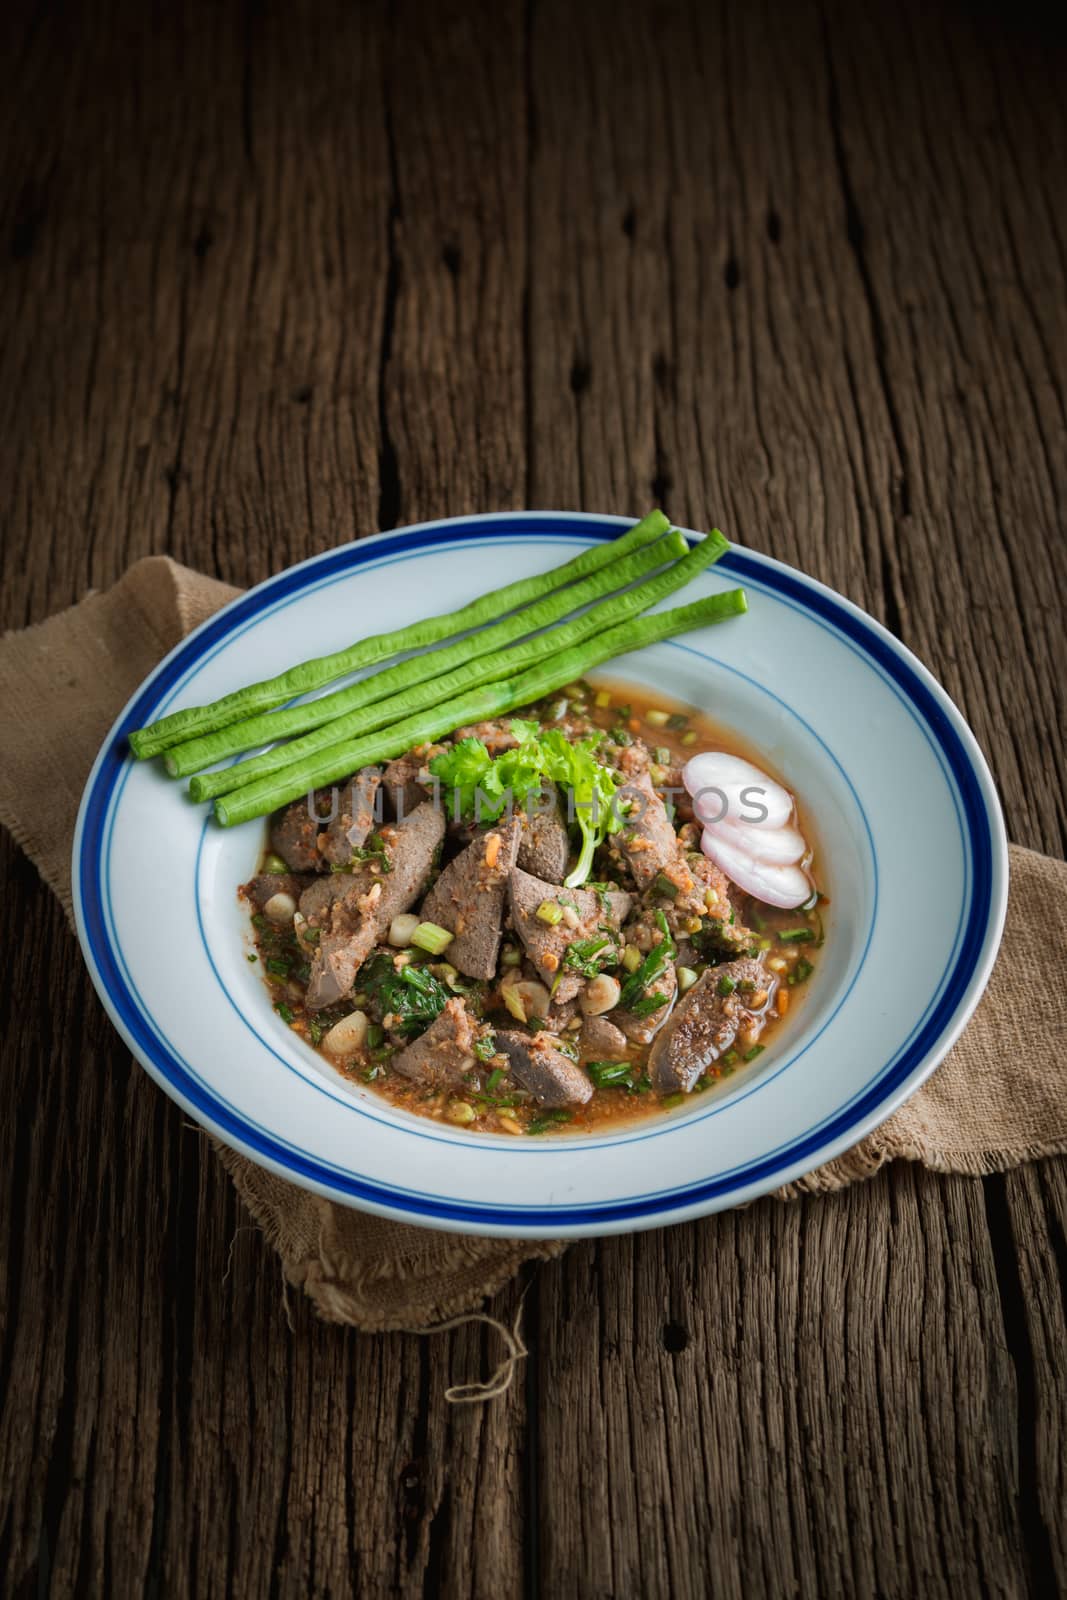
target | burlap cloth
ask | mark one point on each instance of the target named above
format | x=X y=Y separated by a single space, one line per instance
x=999 y=1099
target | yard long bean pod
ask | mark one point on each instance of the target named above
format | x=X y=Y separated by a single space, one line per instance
x=338 y=761
x=272 y=725
x=194 y=721
x=452 y=673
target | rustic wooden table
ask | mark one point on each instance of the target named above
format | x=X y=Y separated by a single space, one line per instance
x=274 y=279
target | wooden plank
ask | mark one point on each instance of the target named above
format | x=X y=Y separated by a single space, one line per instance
x=452 y=391
x=811 y=1398
x=1028 y=1223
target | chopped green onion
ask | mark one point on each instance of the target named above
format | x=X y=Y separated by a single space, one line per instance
x=668 y=1100
x=581 y=955
x=375 y=1035
x=550 y=911
x=757 y=1050
x=285 y=1012
x=661 y=755
x=429 y=936
x=611 y=1074
x=510 y=957
x=485 y=1049
x=801 y=971
x=796 y=936
x=662 y=885
x=513 y=1000
x=677 y=721
x=251 y=958
x=496 y=1076
x=542 y=1123
x=651 y=967
x=280 y=969
x=726 y=985
x=729 y=1058
x=621 y=736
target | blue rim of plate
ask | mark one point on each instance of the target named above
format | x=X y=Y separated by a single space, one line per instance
x=975 y=950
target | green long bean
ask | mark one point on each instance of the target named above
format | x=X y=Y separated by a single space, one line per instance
x=464 y=675
x=272 y=725
x=494 y=699
x=193 y=721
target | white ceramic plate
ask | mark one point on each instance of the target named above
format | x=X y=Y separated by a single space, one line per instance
x=913 y=856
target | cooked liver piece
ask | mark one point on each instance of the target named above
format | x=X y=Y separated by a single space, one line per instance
x=294 y=835
x=366 y=901
x=355 y=818
x=552 y=1078
x=400 y=781
x=641 y=1030
x=411 y=846
x=321 y=893
x=345 y=942
x=468 y=900
x=267 y=884
x=440 y=1056
x=647 y=840
x=546 y=943
x=545 y=848
x=601 y=1040
x=705 y=1023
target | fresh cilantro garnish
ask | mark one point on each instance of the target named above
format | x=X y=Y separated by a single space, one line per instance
x=480 y=785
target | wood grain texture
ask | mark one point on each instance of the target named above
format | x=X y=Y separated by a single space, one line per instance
x=278 y=276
